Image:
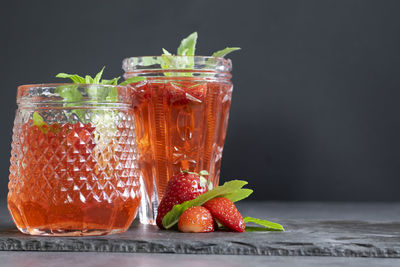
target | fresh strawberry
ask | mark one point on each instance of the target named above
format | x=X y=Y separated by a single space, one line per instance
x=225 y=212
x=196 y=219
x=167 y=203
x=182 y=187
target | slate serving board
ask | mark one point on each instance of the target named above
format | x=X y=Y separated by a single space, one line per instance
x=303 y=237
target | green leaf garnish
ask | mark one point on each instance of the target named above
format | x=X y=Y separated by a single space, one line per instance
x=74 y=77
x=224 y=52
x=112 y=95
x=239 y=194
x=188 y=45
x=267 y=226
x=97 y=78
x=69 y=93
x=38 y=120
x=165 y=52
x=185 y=56
x=110 y=82
x=89 y=79
x=226 y=190
x=133 y=80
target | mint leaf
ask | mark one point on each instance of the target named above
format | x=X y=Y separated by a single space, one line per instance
x=188 y=45
x=239 y=194
x=165 y=52
x=224 y=52
x=112 y=95
x=110 y=82
x=38 y=120
x=172 y=217
x=147 y=61
x=167 y=61
x=74 y=77
x=133 y=80
x=267 y=226
x=69 y=93
x=98 y=92
x=88 y=79
x=97 y=78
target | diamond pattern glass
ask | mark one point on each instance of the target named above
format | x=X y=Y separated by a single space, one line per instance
x=77 y=174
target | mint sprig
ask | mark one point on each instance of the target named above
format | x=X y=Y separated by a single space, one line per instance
x=185 y=55
x=232 y=190
x=188 y=45
x=71 y=93
x=225 y=51
x=75 y=78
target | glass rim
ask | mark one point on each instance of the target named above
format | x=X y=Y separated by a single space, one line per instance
x=43 y=93
x=50 y=85
x=200 y=63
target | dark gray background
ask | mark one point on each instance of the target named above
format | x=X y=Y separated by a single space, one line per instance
x=315 y=113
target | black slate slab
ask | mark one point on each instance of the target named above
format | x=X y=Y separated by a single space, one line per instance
x=303 y=237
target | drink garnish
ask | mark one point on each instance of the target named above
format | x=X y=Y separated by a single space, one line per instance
x=225 y=51
x=184 y=58
x=232 y=191
x=38 y=120
x=71 y=93
x=105 y=120
x=75 y=78
x=188 y=48
x=100 y=94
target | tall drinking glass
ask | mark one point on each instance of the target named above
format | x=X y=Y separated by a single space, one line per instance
x=181 y=117
x=74 y=165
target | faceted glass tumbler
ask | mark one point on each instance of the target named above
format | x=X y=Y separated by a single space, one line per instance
x=181 y=117
x=74 y=169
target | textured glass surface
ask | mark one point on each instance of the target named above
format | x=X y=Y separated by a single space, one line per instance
x=75 y=175
x=181 y=125
x=181 y=116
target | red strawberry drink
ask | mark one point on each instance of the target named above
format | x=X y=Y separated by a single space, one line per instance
x=181 y=120
x=73 y=163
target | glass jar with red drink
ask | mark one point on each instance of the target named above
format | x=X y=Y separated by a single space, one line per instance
x=181 y=114
x=74 y=165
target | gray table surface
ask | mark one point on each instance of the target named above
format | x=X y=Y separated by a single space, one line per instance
x=335 y=234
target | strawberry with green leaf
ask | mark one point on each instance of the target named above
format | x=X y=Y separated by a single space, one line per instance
x=219 y=201
x=182 y=187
